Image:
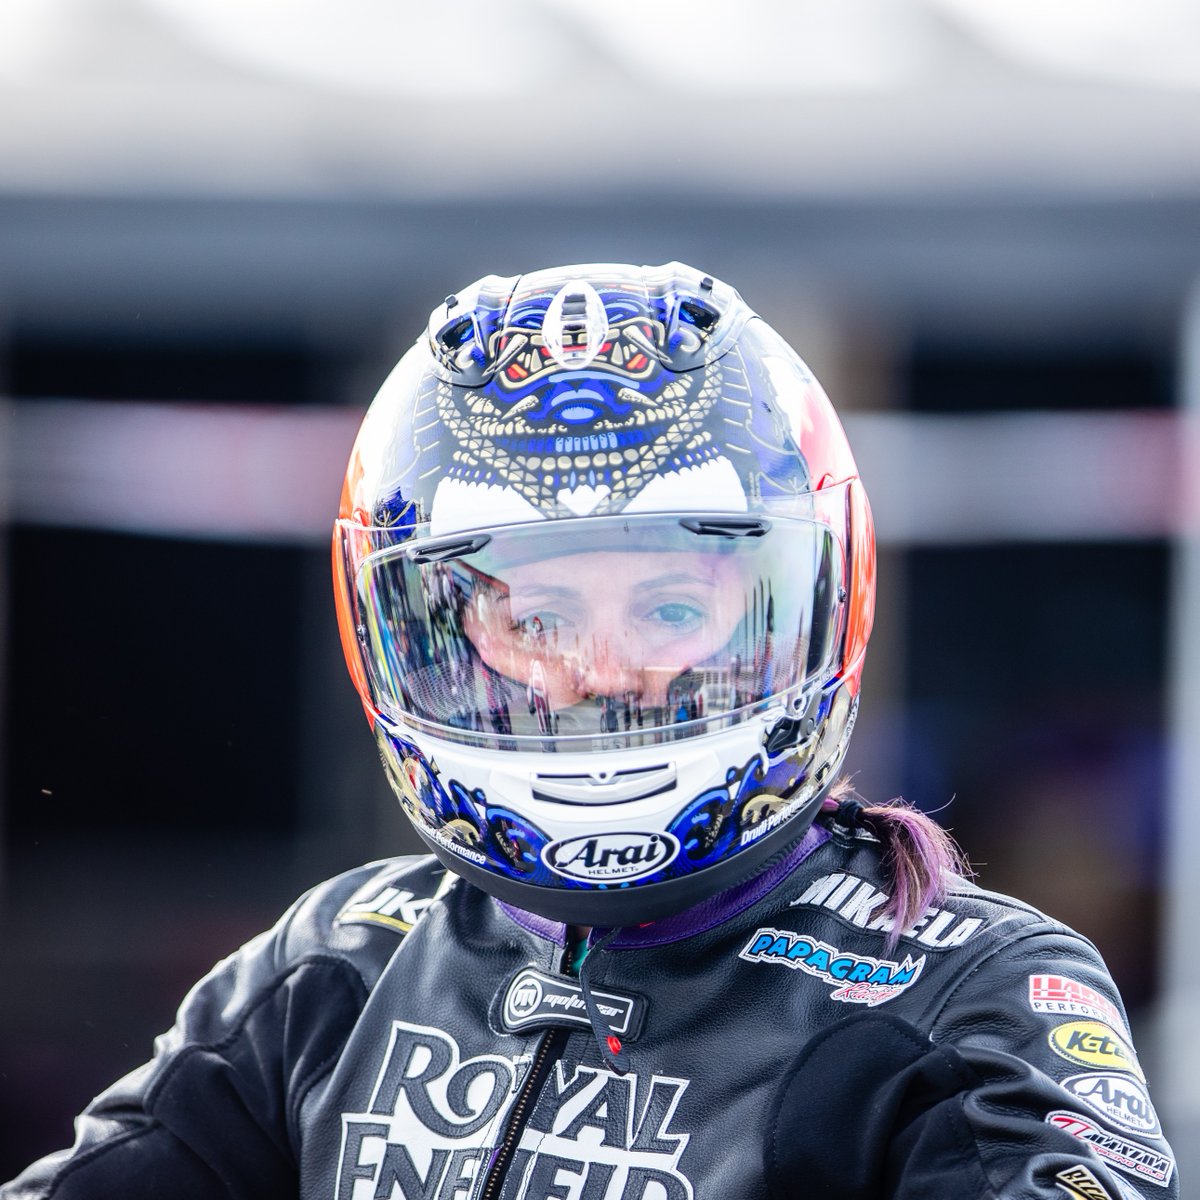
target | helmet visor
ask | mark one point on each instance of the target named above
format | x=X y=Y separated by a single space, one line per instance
x=578 y=629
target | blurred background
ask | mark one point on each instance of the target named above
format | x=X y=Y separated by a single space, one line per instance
x=220 y=224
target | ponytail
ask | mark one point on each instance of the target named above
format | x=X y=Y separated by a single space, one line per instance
x=920 y=858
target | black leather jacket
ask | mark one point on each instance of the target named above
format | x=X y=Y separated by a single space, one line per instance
x=400 y=1034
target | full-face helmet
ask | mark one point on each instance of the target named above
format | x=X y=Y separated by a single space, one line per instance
x=605 y=578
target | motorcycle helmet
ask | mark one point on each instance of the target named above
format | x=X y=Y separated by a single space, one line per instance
x=605 y=577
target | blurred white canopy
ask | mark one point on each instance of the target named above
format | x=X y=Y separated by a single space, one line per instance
x=806 y=97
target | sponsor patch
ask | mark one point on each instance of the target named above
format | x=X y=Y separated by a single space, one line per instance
x=393 y=907
x=1094 y=1044
x=1132 y=1157
x=534 y=1000
x=1079 y=1181
x=602 y=857
x=1118 y=1098
x=856 y=978
x=434 y=1119
x=859 y=901
x=1058 y=996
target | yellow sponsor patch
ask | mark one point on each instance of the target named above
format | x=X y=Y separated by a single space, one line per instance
x=1082 y=1184
x=1094 y=1044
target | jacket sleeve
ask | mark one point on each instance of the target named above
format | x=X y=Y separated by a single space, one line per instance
x=1048 y=1002
x=213 y=1114
x=1019 y=1095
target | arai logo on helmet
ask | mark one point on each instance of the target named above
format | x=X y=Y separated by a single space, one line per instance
x=605 y=857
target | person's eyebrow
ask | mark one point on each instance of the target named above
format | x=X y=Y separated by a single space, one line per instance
x=558 y=591
x=678 y=577
x=555 y=591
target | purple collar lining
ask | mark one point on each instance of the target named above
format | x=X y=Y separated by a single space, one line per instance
x=704 y=916
x=552 y=931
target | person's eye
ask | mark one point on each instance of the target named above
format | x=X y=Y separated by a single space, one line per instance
x=676 y=616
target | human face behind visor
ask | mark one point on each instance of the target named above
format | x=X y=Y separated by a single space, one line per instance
x=578 y=629
x=608 y=623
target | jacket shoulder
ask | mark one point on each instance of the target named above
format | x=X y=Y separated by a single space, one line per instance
x=361 y=913
x=970 y=945
x=847 y=880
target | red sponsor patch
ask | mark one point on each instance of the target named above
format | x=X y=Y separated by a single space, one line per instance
x=1057 y=995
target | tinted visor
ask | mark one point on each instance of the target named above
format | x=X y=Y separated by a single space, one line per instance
x=593 y=627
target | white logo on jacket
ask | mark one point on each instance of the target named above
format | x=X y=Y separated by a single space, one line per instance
x=858 y=901
x=1117 y=1097
x=433 y=1120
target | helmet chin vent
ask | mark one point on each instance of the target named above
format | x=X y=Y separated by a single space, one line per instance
x=619 y=787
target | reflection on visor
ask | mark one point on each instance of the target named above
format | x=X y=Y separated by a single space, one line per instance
x=609 y=625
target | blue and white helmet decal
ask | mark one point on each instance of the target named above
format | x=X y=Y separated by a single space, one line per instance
x=655 y=410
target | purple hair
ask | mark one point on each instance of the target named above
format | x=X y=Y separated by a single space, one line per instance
x=920 y=858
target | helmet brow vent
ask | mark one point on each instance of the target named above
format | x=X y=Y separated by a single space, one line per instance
x=730 y=527
x=456 y=335
x=619 y=787
x=445 y=549
x=698 y=313
x=575 y=324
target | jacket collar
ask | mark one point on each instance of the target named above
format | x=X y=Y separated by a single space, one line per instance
x=708 y=914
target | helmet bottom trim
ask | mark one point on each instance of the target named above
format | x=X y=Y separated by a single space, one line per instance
x=635 y=904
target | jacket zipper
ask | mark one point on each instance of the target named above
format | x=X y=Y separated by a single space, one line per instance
x=549 y=1050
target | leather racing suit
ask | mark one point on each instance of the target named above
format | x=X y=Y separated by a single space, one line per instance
x=401 y=1034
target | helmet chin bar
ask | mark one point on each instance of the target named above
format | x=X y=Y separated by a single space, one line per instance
x=635 y=904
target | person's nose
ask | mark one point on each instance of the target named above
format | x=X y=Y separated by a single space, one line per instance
x=611 y=666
